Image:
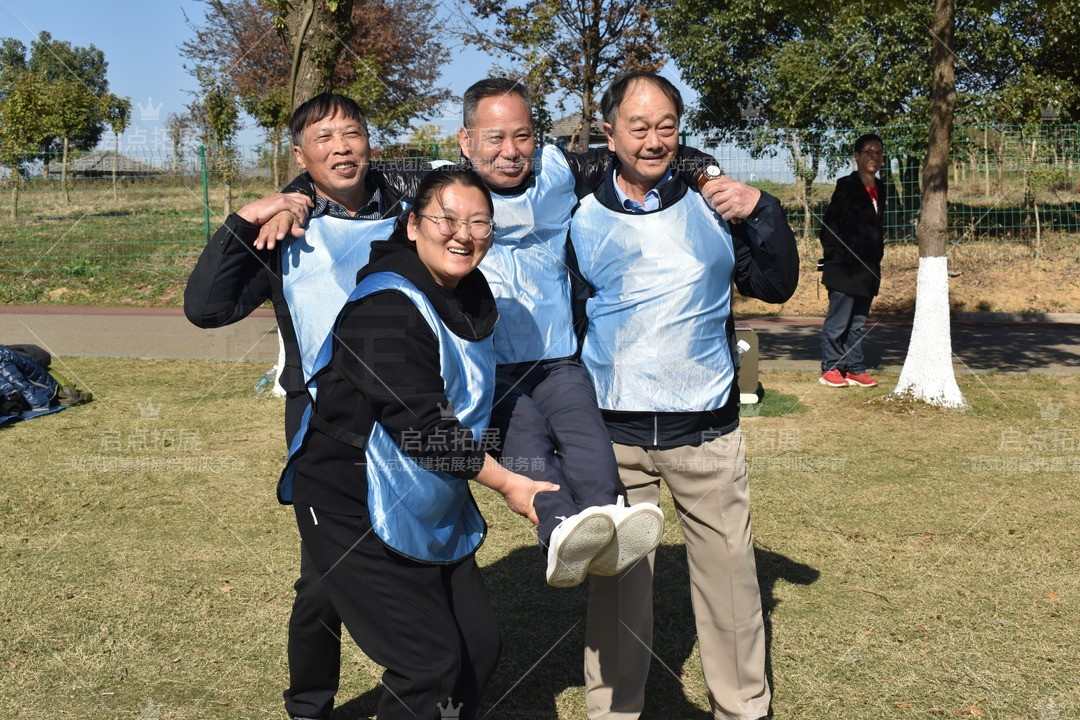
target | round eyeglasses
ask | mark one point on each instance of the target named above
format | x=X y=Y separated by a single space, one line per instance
x=480 y=229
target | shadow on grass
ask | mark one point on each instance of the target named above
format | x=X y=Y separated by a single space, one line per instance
x=543 y=633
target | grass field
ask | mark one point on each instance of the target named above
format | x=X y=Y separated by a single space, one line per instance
x=913 y=562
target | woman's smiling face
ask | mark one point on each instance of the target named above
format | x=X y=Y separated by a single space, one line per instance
x=452 y=233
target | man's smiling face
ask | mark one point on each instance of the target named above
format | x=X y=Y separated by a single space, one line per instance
x=335 y=152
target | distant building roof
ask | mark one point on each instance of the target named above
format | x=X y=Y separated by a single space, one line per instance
x=101 y=163
x=563 y=128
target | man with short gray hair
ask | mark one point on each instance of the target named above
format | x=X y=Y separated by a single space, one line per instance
x=660 y=349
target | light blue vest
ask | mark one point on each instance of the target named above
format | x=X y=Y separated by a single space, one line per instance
x=318 y=271
x=526 y=266
x=656 y=340
x=423 y=514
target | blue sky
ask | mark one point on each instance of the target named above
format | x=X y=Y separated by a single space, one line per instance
x=140 y=40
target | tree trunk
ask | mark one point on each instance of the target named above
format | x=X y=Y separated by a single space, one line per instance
x=63 y=173
x=927 y=374
x=115 y=158
x=586 y=120
x=15 y=193
x=910 y=182
x=315 y=33
x=808 y=201
x=275 y=152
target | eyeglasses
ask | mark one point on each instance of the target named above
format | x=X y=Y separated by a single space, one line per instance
x=448 y=226
x=874 y=153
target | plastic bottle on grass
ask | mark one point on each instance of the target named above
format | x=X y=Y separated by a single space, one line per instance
x=266 y=381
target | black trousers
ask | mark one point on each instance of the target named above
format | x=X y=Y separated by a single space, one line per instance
x=431 y=627
x=314 y=646
x=551 y=430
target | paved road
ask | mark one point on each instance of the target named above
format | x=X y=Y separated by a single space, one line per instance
x=786 y=343
x=137 y=333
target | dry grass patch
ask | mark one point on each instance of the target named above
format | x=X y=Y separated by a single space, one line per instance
x=914 y=562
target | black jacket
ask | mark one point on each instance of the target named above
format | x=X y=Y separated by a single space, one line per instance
x=232 y=278
x=386 y=368
x=853 y=238
x=766 y=268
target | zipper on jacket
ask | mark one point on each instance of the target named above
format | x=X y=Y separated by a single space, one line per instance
x=655 y=431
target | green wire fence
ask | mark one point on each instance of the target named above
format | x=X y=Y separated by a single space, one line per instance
x=1014 y=196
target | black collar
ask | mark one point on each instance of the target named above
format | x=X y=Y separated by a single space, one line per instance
x=468 y=310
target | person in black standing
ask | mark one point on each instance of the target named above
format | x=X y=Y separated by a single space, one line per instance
x=236 y=273
x=381 y=471
x=853 y=240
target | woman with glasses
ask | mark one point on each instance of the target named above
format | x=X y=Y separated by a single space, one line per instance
x=381 y=467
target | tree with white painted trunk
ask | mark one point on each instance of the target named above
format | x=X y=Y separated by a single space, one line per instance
x=928 y=374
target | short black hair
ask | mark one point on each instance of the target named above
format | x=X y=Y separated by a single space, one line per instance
x=322 y=106
x=864 y=140
x=491 y=87
x=613 y=96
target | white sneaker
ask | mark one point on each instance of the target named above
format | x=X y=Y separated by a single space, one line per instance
x=638 y=531
x=574 y=544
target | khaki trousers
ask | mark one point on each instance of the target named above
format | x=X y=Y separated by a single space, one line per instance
x=712 y=497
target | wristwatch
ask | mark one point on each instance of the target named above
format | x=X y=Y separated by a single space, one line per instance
x=711 y=172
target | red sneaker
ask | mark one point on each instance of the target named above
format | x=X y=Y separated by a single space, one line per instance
x=862 y=380
x=833 y=378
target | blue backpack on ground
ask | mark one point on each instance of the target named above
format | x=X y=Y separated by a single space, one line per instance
x=26 y=388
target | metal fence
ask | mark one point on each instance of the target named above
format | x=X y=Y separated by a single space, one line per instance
x=1014 y=197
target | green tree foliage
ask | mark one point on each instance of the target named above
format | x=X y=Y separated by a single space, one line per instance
x=67 y=65
x=219 y=116
x=117 y=113
x=72 y=110
x=834 y=64
x=570 y=48
x=810 y=67
x=23 y=104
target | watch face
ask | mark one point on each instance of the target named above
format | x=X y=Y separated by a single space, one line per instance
x=711 y=172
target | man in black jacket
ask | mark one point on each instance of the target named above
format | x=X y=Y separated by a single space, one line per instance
x=659 y=347
x=232 y=277
x=852 y=237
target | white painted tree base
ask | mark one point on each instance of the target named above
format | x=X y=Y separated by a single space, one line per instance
x=278 y=390
x=928 y=371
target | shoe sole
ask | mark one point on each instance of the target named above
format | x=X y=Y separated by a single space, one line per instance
x=636 y=535
x=825 y=382
x=859 y=384
x=582 y=543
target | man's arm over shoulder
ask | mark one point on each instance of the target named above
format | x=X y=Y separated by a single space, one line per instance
x=231 y=278
x=401 y=179
x=589 y=167
x=301 y=184
x=766 y=255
